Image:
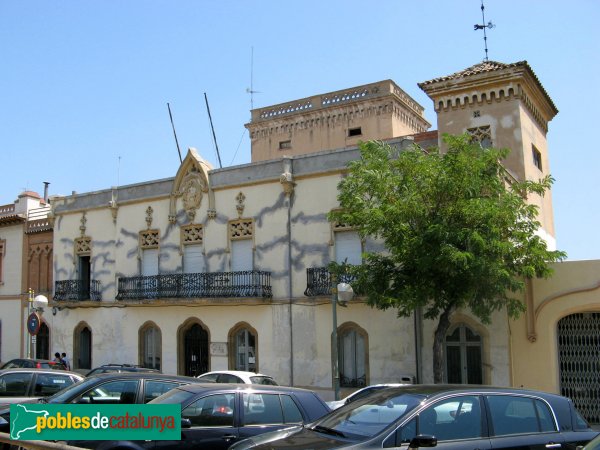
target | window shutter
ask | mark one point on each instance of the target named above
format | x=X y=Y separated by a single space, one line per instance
x=241 y=255
x=150 y=262
x=193 y=260
x=348 y=247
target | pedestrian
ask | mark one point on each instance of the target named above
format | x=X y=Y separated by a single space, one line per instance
x=65 y=361
x=57 y=357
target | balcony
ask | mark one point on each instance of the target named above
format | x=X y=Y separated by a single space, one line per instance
x=77 y=290
x=251 y=283
x=318 y=281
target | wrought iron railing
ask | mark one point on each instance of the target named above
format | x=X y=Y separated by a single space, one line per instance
x=77 y=290
x=250 y=283
x=318 y=281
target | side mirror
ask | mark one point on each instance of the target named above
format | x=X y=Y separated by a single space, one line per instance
x=423 y=440
x=186 y=423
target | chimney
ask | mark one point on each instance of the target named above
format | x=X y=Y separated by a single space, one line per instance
x=46 y=183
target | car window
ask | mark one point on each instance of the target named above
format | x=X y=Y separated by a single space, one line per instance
x=402 y=435
x=209 y=377
x=291 y=412
x=454 y=418
x=263 y=380
x=517 y=415
x=15 y=384
x=154 y=388
x=262 y=409
x=362 y=393
x=229 y=378
x=49 y=384
x=211 y=411
x=111 y=392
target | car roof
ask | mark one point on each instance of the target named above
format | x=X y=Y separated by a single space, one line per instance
x=202 y=387
x=36 y=370
x=141 y=374
x=432 y=390
x=238 y=372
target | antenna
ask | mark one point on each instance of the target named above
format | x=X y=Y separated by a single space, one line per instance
x=250 y=90
x=483 y=27
x=213 y=131
x=174 y=133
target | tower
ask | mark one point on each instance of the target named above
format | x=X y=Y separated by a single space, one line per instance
x=504 y=106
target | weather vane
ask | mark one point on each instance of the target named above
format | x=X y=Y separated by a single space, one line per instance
x=483 y=27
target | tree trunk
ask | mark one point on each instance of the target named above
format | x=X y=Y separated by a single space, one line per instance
x=438 y=345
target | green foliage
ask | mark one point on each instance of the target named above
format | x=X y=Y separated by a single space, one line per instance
x=457 y=233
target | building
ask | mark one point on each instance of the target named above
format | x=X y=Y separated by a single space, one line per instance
x=26 y=243
x=226 y=268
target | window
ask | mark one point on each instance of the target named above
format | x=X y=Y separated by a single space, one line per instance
x=519 y=415
x=264 y=409
x=211 y=411
x=2 y=252
x=46 y=384
x=151 y=351
x=348 y=247
x=482 y=135
x=15 y=384
x=352 y=356
x=82 y=347
x=454 y=418
x=155 y=388
x=245 y=350
x=537 y=157
x=284 y=145
x=354 y=132
x=463 y=356
x=192 y=239
x=111 y=392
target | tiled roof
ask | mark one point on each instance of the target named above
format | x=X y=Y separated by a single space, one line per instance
x=485 y=66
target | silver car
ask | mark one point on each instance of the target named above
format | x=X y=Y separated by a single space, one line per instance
x=21 y=384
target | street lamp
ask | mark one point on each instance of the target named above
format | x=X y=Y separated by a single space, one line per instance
x=341 y=293
x=35 y=305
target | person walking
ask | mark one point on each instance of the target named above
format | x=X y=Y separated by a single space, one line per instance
x=66 y=361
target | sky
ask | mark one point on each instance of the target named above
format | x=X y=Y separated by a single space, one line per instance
x=85 y=84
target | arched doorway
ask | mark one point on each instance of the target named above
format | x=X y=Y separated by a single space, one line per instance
x=579 y=362
x=82 y=347
x=194 y=352
x=42 y=342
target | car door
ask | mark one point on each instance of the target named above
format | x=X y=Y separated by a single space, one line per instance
x=457 y=422
x=522 y=423
x=213 y=424
x=15 y=386
x=262 y=412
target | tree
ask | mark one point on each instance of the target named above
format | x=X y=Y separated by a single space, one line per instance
x=459 y=232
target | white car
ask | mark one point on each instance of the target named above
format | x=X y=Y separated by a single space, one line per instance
x=335 y=404
x=236 y=376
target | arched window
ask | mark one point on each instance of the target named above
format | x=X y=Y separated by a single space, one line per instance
x=243 y=348
x=150 y=339
x=352 y=354
x=464 y=356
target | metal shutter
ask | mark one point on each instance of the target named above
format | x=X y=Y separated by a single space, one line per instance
x=150 y=262
x=241 y=255
x=193 y=259
x=348 y=247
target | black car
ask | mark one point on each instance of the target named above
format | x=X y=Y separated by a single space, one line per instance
x=109 y=388
x=216 y=415
x=29 y=363
x=441 y=416
x=108 y=368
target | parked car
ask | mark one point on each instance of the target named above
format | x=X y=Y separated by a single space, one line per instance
x=106 y=368
x=442 y=416
x=19 y=384
x=236 y=376
x=30 y=363
x=334 y=404
x=216 y=415
x=109 y=388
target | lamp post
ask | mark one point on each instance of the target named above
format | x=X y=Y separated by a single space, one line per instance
x=35 y=305
x=340 y=293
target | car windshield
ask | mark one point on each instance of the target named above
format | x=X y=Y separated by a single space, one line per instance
x=174 y=396
x=263 y=380
x=366 y=417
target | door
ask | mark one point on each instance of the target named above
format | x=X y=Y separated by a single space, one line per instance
x=84 y=359
x=42 y=342
x=195 y=350
x=84 y=278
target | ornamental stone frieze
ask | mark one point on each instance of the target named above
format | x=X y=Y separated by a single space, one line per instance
x=190 y=185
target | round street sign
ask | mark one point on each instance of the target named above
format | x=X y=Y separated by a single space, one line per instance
x=33 y=323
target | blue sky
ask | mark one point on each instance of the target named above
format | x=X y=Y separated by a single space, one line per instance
x=84 y=85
